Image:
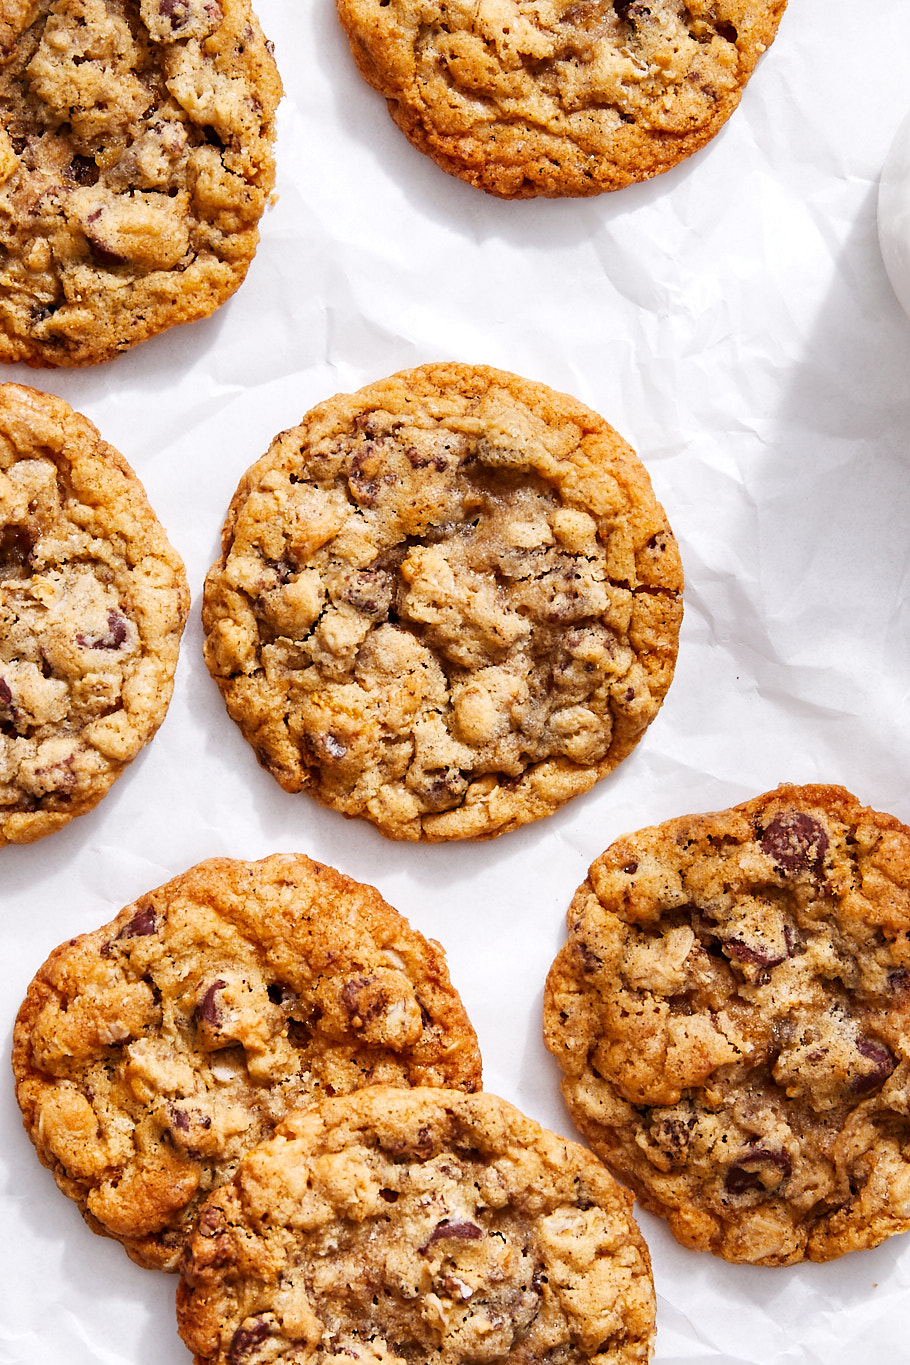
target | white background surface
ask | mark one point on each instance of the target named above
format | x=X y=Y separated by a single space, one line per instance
x=734 y=321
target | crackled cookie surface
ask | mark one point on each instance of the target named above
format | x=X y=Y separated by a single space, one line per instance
x=447 y=603
x=559 y=97
x=93 y=601
x=135 y=164
x=151 y=1054
x=394 y=1226
x=732 y=1013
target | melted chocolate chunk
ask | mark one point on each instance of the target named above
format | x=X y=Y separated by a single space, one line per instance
x=796 y=842
x=590 y=960
x=882 y=1061
x=744 y=1176
x=362 y=999
x=759 y=956
x=115 y=635
x=369 y=591
x=144 y=922
x=464 y=1232
x=207 y=1010
x=246 y=1341
x=16 y=544
x=83 y=170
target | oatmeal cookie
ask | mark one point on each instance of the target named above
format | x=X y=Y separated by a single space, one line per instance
x=731 y=1010
x=417 y=1225
x=447 y=603
x=559 y=97
x=135 y=163
x=153 y=1053
x=93 y=602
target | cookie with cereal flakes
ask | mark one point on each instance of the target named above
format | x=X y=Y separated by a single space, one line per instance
x=417 y=1225
x=151 y=1054
x=446 y=603
x=93 y=602
x=731 y=1012
x=136 y=160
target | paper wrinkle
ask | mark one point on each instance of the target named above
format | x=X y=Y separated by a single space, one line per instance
x=734 y=321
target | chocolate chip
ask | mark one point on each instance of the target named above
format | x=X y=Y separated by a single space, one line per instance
x=745 y=1174
x=465 y=1232
x=390 y=1196
x=143 y=923
x=102 y=252
x=883 y=1063
x=362 y=999
x=898 y=980
x=589 y=959
x=760 y=957
x=795 y=841
x=207 y=1010
x=6 y=695
x=115 y=635
x=245 y=1341
x=363 y=488
x=83 y=170
x=404 y=1148
x=16 y=544
x=369 y=591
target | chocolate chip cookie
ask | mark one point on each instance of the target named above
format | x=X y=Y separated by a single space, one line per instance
x=446 y=603
x=731 y=1010
x=152 y=1054
x=559 y=97
x=135 y=164
x=93 y=602
x=417 y=1225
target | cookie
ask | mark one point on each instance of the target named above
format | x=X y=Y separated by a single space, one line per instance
x=562 y=97
x=446 y=603
x=135 y=163
x=731 y=1010
x=93 y=602
x=151 y=1054
x=392 y=1226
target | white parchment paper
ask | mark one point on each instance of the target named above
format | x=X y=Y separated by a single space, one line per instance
x=734 y=321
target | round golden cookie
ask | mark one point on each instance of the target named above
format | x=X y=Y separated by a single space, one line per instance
x=731 y=1010
x=559 y=97
x=150 y=1055
x=93 y=601
x=447 y=603
x=135 y=164
x=418 y=1225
